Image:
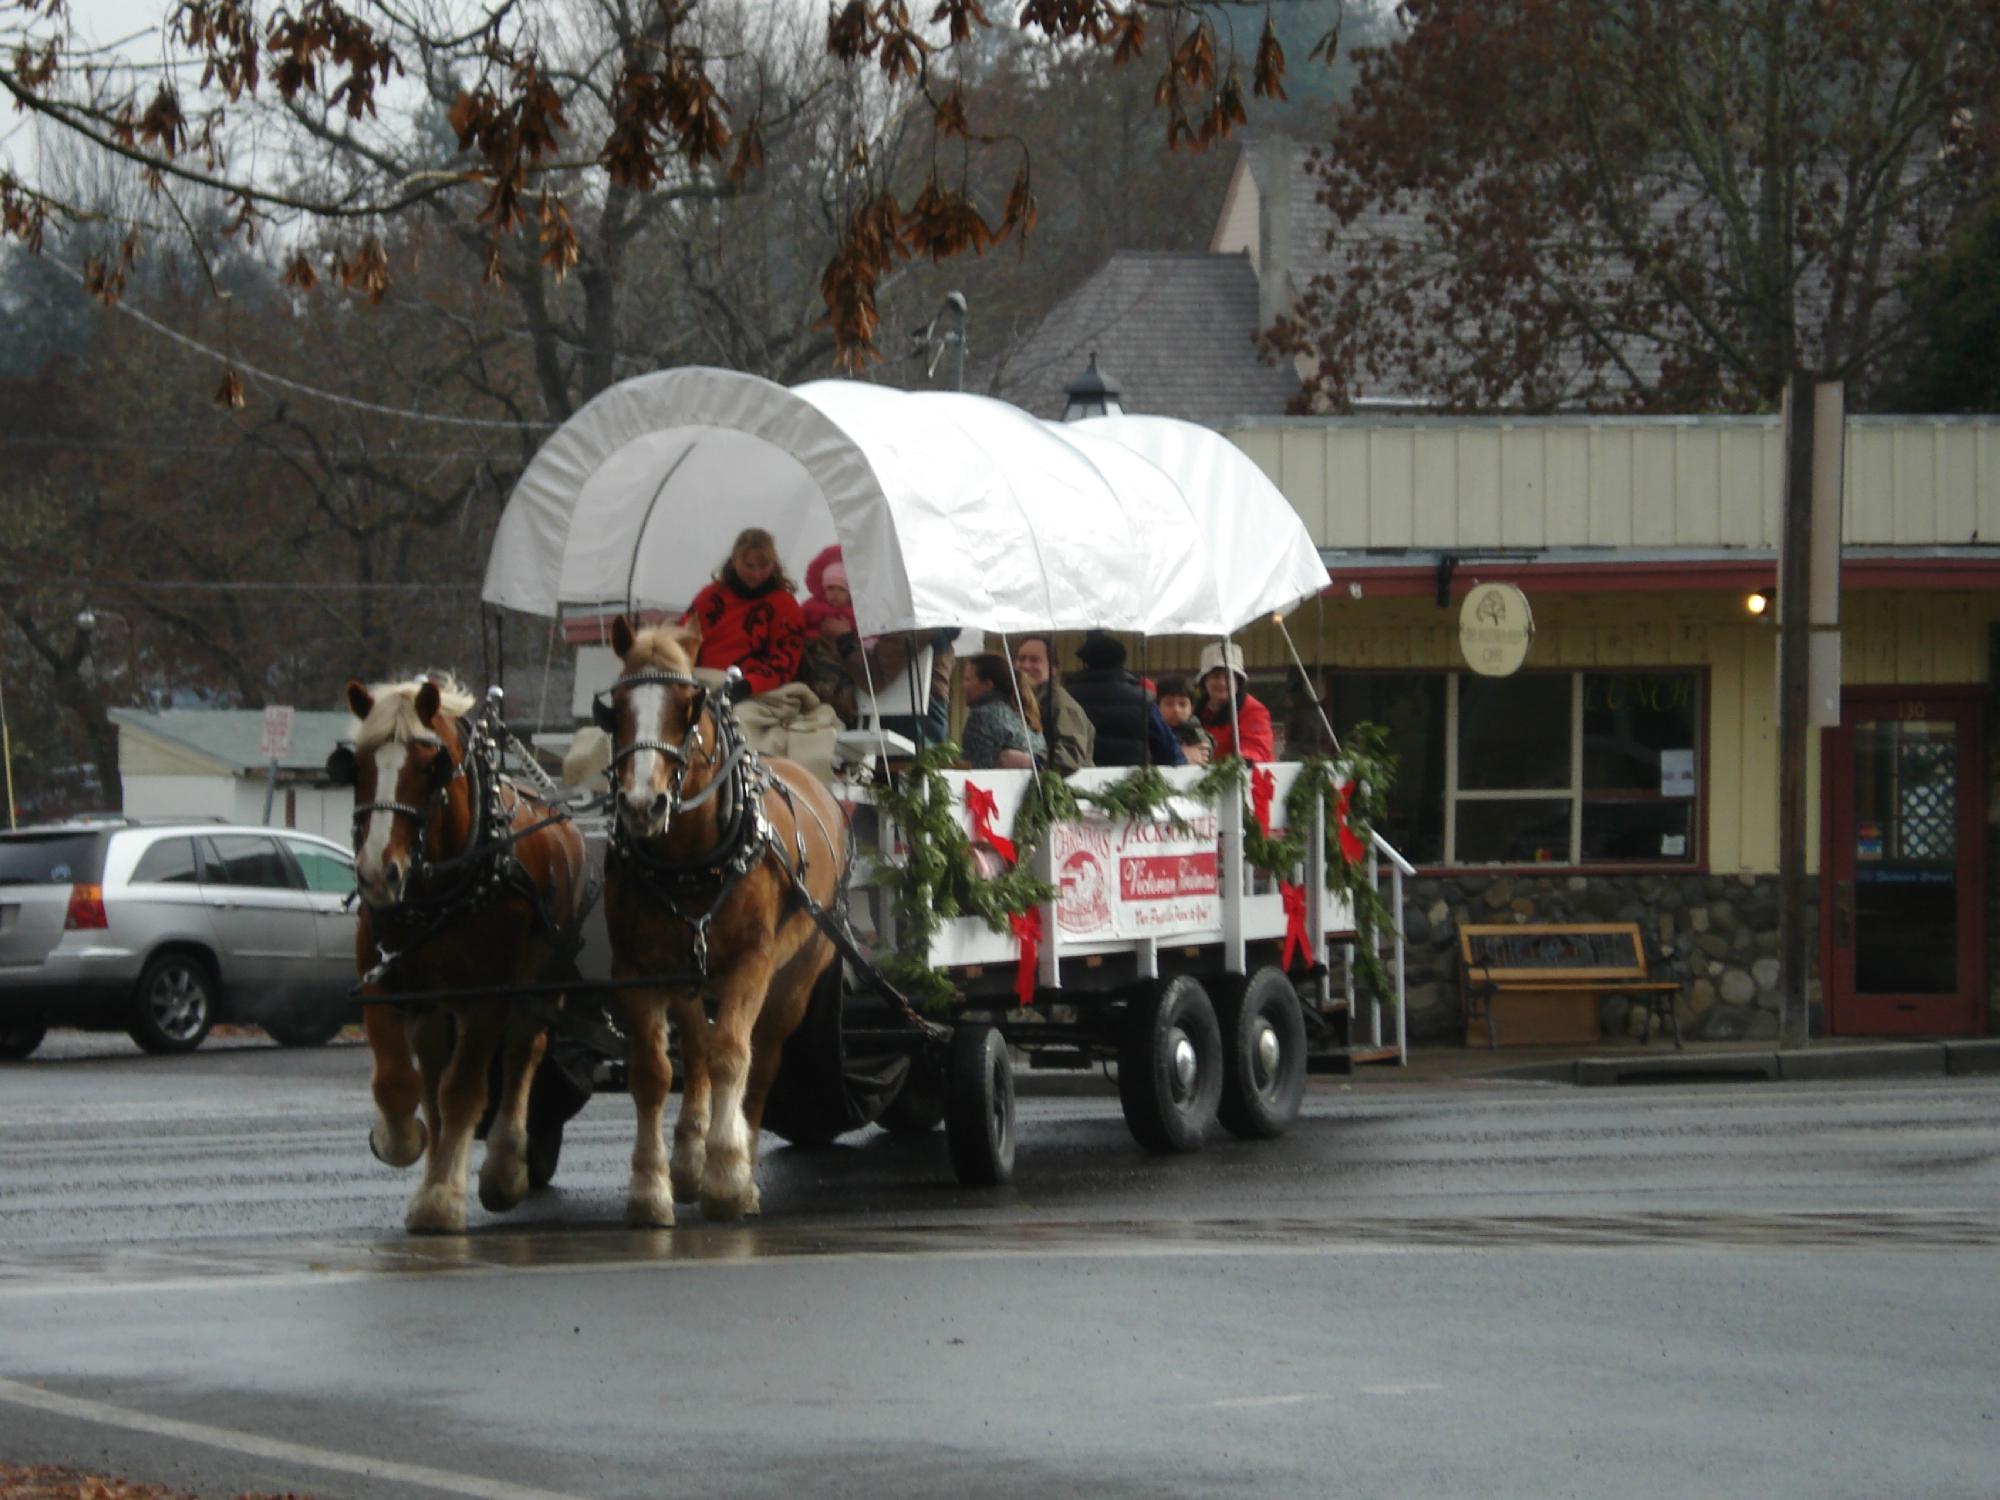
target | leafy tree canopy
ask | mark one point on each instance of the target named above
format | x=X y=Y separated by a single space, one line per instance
x=1653 y=204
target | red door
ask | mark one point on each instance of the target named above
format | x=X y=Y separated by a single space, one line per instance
x=1902 y=947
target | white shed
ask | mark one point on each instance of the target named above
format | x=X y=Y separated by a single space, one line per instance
x=205 y=763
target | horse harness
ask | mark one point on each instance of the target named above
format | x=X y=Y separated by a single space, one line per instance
x=693 y=890
x=487 y=868
x=741 y=781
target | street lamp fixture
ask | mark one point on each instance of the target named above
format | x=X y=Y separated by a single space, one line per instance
x=1758 y=603
x=86 y=621
x=932 y=344
x=1092 y=394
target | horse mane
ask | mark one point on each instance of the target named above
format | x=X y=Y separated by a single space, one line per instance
x=393 y=719
x=660 y=648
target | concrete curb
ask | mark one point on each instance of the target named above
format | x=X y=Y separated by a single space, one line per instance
x=1966 y=1058
x=1819 y=1064
x=1683 y=1067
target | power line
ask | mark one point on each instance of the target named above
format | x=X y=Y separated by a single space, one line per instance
x=229 y=361
x=264 y=445
x=29 y=584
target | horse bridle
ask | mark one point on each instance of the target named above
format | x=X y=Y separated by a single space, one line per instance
x=421 y=816
x=604 y=713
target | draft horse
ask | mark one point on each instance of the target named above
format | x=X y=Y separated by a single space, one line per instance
x=719 y=859
x=467 y=881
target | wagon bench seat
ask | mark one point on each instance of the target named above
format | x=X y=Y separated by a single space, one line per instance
x=1548 y=978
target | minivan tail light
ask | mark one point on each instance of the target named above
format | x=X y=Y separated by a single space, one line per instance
x=86 y=908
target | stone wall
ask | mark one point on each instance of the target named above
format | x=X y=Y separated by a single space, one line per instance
x=1717 y=934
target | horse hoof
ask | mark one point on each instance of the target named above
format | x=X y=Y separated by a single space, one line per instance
x=686 y=1176
x=436 y=1213
x=649 y=1211
x=499 y=1192
x=397 y=1145
x=730 y=1191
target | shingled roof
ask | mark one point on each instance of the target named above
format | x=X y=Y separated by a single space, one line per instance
x=1172 y=329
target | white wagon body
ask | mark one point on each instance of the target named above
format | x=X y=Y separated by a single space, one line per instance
x=959 y=512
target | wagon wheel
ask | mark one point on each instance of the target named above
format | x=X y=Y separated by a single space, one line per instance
x=1170 y=1067
x=979 y=1108
x=1264 y=1057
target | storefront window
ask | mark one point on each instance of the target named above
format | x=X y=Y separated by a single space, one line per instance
x=1411 y=708
x=1539 y=768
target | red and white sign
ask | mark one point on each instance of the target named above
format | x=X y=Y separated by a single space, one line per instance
x=1137 y=878
x=277 y=741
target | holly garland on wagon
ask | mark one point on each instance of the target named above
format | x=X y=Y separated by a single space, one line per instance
x=939 y=876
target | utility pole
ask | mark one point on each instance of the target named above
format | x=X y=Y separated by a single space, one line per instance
x=1808 y=653
x=1794 y=558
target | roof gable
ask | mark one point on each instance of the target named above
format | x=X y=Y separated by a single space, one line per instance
x=1172 y=329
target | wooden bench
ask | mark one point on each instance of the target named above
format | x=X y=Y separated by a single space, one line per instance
x=1550 y=978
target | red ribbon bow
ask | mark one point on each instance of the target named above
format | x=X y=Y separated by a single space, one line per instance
x=1027 y=927
x=1294 y=898
x=1351 y=848
x=1263 y=786
x=979 y=802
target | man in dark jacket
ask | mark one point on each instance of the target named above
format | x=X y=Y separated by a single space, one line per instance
x=1130 y=731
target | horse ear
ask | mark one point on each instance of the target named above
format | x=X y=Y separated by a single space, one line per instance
x=359 y=702
x=622 y=637
x=690 y=637
x=427 y=702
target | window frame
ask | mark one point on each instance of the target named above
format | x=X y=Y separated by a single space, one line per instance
x=1576 y=796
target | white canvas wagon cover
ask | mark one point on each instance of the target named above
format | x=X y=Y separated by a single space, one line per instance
x=951 y=510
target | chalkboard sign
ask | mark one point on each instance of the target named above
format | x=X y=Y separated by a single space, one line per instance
x=1581 y=950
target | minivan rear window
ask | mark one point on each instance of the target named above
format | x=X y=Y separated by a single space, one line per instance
x=63 y=858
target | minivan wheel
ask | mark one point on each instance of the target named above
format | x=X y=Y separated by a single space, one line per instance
x=20 y=1038
x=306 y=1026
x=175 y=1004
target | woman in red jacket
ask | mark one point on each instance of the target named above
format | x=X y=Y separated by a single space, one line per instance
x=1216 y=716
x=749 y=616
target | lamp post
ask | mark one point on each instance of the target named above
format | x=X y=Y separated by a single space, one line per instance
x=1092 y=394
x=86 y=621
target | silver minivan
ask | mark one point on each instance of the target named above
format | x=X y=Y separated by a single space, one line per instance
x=163 y=929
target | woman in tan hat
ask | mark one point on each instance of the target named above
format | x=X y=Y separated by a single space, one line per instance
x=1223 y=723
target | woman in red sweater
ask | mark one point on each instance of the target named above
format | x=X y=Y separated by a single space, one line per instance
x=749 y=617
x=1216 y=716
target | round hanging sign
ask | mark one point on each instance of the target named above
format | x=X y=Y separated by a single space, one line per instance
x=1494 y=628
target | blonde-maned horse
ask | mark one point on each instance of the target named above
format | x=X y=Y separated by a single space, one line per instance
x=458 y=917
x=700 y=879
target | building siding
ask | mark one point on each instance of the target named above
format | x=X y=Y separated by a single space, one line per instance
x=1651 y=483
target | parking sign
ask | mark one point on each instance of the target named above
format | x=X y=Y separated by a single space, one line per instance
x=277 y=743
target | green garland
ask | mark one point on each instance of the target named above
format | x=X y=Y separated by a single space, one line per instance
x=936 y=882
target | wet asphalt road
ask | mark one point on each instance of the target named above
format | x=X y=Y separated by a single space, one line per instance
x=1444 y=1289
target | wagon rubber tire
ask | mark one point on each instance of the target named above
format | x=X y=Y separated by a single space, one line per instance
x=1264 y=1057
x=979 y=1108
x=1170 y=1067
x=20 y=1039
x=174 y=1005
x=306 y=1027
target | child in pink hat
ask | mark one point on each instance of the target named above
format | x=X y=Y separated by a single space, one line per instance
x=829 y=608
